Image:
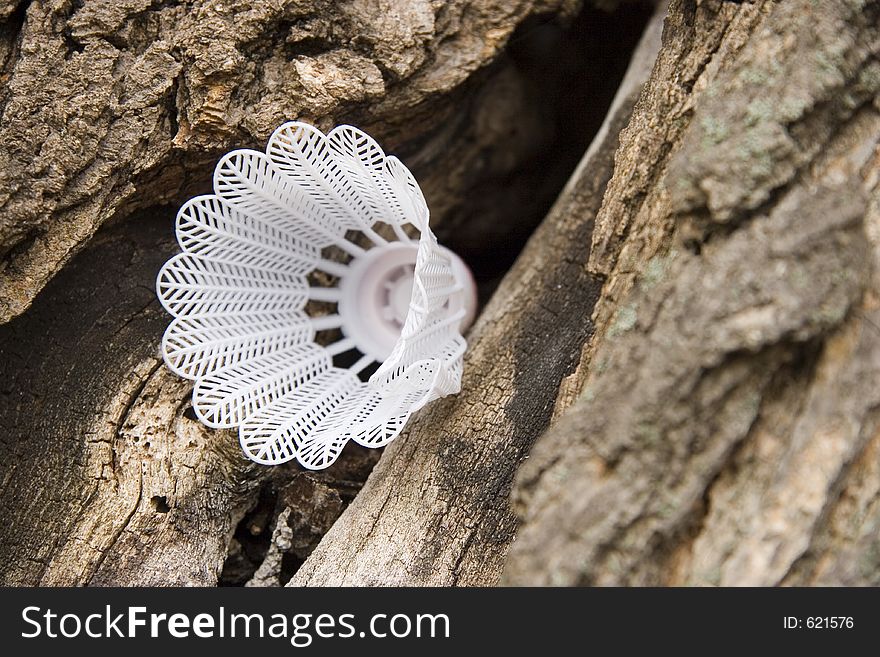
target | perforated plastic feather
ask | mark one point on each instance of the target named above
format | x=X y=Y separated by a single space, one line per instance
x=294 y=281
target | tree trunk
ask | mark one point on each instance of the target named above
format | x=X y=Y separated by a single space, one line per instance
x=677 y=382
x=725 y=429
x=113 y=106
x=726 y=394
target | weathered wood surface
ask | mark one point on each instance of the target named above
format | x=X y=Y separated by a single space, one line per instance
x=107 y=476
x=678 y=380
x=725 y=429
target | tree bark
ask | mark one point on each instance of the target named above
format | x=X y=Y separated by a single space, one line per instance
x=725 y=429
x=677 y=382
x=726 y=397
x=113 y=106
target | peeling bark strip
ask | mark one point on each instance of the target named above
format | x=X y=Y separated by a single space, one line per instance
x=110 y=106
x=435 y=509
x=730 y=398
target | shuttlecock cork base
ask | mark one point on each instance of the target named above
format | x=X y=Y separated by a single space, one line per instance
x=376 y=294
x=242 y=289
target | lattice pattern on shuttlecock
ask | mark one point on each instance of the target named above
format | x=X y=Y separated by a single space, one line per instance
x=308 y=224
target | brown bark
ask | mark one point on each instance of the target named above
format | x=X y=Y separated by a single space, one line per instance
x=108 y=107
x=112 y=106
x=725 y=428
x=689 y=340
x=724 y=414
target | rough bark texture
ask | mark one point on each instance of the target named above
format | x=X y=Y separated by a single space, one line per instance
x=691 y=335
x=108 y=478
x=725 y=429
x=108 y=106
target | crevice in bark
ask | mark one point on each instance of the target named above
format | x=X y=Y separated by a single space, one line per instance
x=788 y=386
x=439 y=494
x=574 y=95
x=251 y=540
x=571 y=71
x=829 y=118
x=293 y=510
x=823 y=562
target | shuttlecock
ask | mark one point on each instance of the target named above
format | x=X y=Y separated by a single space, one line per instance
x=311 y=264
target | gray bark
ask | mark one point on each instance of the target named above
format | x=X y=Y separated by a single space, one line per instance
x=725 y=428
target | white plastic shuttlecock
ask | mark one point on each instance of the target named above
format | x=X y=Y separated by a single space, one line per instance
x=310 y=264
